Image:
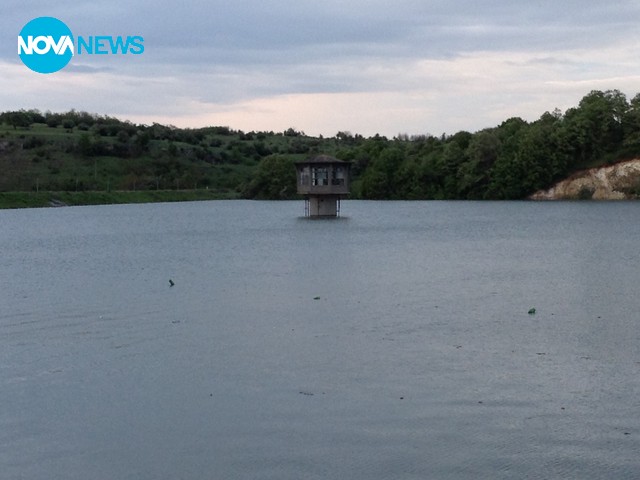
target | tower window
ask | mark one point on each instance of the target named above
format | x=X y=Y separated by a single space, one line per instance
x=319 y=176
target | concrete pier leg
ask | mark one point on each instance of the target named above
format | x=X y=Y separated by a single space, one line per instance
x=323 y=206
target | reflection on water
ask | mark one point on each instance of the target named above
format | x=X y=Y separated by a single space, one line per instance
x=392 y=343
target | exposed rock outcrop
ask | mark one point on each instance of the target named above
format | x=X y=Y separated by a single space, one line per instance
x=612 y=182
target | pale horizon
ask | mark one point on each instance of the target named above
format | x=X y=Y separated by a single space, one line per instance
x=415 y=68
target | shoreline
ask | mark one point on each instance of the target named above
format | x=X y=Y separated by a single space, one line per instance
x=16 y=200
x=22 y=200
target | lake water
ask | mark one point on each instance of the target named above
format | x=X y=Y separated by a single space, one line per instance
x=392 y=343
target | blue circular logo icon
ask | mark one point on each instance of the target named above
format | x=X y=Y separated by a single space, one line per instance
x=45 y=45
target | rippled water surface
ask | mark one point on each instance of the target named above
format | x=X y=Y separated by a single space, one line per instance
x=392 y=343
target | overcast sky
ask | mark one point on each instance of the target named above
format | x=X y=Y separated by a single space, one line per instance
x=408 y=66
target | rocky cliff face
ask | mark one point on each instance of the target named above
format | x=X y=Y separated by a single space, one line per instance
x=613 y=182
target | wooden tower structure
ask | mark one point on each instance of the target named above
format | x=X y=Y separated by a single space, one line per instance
x=324 y=181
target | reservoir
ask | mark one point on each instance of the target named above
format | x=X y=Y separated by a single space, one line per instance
x=403 y=340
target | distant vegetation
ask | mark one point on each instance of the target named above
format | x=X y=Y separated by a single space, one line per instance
x=79 y=152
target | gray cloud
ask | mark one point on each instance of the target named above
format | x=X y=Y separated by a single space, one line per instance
x=211 y=55
x=249 y=32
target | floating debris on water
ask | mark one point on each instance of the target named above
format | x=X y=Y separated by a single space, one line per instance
x=171 y=284
x=532 y=311
x=316 y=298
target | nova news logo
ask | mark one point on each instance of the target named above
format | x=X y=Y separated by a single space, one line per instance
x=46 y=45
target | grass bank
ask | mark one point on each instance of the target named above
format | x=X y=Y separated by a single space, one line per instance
x=57 y=199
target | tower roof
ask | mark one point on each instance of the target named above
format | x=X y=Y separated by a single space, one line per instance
x=322 y=159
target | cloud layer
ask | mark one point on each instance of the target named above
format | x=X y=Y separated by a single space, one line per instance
x=366 y=67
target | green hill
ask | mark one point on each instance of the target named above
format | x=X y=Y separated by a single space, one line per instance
x=79 y=158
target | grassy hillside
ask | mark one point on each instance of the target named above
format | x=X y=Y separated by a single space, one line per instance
x=58 y=199
x=121 y=156
x=88 y=158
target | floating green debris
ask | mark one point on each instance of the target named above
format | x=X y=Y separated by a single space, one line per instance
x=532 y=311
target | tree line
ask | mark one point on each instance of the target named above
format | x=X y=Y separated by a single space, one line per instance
x=509 y=161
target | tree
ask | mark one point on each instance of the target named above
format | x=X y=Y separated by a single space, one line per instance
x=595 y=127
x=528 y=164
x=17 y=119
x=452 y=157
x=274 y=179
x=473 y=175
x=380 y=180
x=631 y=125
x=85 y=145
